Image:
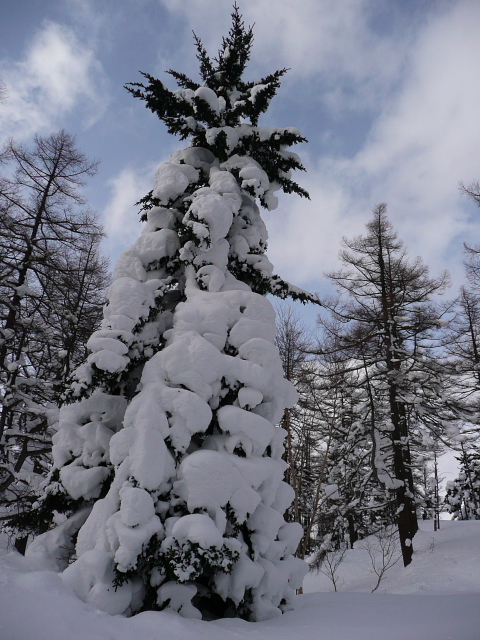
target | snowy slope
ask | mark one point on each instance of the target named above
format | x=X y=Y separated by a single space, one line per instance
x=445 y=562
x=436 y=598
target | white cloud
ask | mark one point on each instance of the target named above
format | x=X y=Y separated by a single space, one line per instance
x=120 y=217
x=428 y=139
x=305 y=235
x=421 y=82
x=425 y=139
x=58 y=74
x=327 y=39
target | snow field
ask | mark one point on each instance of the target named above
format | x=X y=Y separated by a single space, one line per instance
x=436 y=598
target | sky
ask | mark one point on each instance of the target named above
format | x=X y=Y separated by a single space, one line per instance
x=387 y=92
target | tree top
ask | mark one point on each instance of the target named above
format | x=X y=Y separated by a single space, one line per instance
x=221 y=114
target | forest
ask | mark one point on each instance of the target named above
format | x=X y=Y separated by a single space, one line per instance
x=168 y=441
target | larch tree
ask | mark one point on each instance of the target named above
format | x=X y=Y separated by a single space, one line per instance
x=348 y=502
x=388 y=316
x=48 y=245
x=462 y=347
x=167 y=481
x=472 y=253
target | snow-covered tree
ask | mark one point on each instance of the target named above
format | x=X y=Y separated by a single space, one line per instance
x=463 y=493
x=292 y=342
x=352 y=502
x=462 y=345
x=167 y=487
x=427 y=477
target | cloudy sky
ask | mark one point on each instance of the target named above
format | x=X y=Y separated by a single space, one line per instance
x=386 y=91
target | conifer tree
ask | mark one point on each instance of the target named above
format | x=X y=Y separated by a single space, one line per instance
x=463 y=494
x=292 y=343
x=388 y=316
x=168 y=464
x=352 y=500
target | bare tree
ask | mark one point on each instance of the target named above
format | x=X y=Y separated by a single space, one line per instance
x=351 y=500
x=472 y=190
x=387 y=315
x=462 y=341
x=383 y=552
x=472 y=252
x=292 y=343
x=50 y=282
x=330 y=565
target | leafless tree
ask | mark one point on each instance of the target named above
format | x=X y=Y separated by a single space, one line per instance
x=383 y=552
x=388 y=325
x=51 y=287
x=292 y=343
x=330 y=565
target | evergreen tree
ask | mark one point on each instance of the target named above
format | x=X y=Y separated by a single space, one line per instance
x=168 y=464
x=463 y=494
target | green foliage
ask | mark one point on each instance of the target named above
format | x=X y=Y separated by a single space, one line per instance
x=39 y=517
x=188 y=115
x=189 y=561
x=185 y=562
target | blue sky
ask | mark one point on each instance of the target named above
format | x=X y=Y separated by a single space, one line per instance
x=386 y=91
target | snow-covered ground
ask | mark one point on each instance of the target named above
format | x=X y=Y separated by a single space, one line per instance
x=436 y=598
